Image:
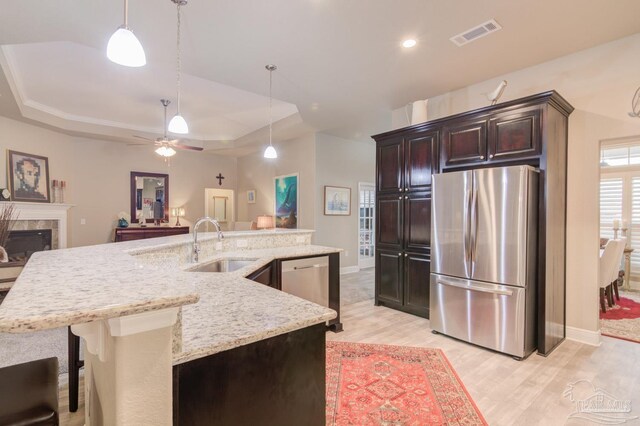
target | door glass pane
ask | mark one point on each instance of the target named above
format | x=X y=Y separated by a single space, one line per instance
x=366 y=230
x=610 y=205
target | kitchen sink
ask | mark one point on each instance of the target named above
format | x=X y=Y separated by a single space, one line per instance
x=223 y=265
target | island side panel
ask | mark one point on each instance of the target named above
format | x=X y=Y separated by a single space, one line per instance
x=334 y=290
x=276 y=381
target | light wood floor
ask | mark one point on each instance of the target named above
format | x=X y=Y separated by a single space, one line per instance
x=507 y=392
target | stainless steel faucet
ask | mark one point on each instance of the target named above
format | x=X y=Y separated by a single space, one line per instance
x=196 y=247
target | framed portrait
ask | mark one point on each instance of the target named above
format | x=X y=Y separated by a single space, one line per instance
x=337 y=201
x=286 y=201
x=28 y=177
x=251 y=196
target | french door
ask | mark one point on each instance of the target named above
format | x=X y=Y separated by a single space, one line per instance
x=366 y=221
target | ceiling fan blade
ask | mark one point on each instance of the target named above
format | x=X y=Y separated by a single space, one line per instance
x=142 y=137
x=137 y=144
x=189 y=147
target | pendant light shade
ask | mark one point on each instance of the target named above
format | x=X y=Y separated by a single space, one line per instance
x=270 y=152
x=123 y=47
x=178 y=124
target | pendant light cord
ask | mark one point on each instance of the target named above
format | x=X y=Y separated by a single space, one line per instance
x=179 y=61
x=126 y=14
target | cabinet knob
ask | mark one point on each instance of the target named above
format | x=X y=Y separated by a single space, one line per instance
x=491 y=156
x=406 y=189
x=406 y=197
x=482 y=157
x=400 y=197
x=400 y=254
x=405 y=255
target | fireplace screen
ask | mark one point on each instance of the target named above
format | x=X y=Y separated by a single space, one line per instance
x=22 y=244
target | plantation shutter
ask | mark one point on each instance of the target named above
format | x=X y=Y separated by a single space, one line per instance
x=611 y=205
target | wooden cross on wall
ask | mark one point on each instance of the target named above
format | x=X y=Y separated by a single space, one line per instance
x=220 y=177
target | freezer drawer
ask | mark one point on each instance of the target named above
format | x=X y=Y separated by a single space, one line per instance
x=497 y=317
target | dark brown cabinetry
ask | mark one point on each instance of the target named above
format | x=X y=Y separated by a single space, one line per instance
x=530 y=131
x=266 y=276
x=404 y=219
x=140 y=233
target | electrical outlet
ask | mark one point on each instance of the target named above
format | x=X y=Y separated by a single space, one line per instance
x=242 y=243
x=83 y=221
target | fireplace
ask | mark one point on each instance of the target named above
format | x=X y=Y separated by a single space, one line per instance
x=22 y=244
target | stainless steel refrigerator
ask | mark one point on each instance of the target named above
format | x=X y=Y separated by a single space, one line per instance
x=483 y=260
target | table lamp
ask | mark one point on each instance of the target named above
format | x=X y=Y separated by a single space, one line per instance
x=178 y=212
x=265 y=222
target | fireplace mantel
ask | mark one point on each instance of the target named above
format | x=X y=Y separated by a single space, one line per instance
x=44 y=211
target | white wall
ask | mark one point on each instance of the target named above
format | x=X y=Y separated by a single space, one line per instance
x=256 y=172
x=97 y=176
x=599 y=83
x=341 y=162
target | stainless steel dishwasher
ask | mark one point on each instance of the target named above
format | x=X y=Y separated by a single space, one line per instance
x=307 y=279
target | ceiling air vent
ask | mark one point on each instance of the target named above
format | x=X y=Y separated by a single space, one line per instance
x=476 y=33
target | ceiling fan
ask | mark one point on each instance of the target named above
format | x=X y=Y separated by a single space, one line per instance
x=635 y=105
x=165 y=146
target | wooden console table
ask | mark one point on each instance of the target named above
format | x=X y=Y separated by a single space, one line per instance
x=140 y=233
x=627 y=268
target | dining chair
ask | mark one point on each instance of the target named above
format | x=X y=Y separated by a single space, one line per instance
x=607 y=267
x=615 y=275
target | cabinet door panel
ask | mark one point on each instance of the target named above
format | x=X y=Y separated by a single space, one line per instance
x=417 y=221
x=389 y=163
x=421 y=160
x=465 y=142
x=417 y=269
x=515 y=135
x=389 y=276
x=389 y=220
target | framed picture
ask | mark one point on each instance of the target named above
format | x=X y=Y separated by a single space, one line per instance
x=251 y=196
x=286 y=201
x=28 y=177
x=337 y=201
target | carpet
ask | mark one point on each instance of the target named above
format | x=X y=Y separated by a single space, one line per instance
x=23 y=347
x=395 y=385
x=622 y=321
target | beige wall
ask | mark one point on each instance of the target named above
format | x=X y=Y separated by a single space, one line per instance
x=256 y=172
x=97 y=176
x=341 y=162
x=599 y=83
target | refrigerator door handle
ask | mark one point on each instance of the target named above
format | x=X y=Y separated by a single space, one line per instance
x=474 y=288
x=473 y=213
x=467 y=226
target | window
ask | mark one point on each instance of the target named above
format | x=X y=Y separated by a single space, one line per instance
x=366 y=213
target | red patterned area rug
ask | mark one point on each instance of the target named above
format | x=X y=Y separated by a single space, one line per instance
x=622 y=321
x=395 y=385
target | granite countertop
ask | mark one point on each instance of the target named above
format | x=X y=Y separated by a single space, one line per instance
x=220 y=311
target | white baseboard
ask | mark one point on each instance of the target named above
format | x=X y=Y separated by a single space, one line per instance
x=581 y=335
x=349 y=270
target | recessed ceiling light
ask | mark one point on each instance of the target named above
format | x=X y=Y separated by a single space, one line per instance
x=409 y=43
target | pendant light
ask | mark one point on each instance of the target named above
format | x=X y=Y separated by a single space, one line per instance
x=178 y=124
x=270 y=152
x=123 y=47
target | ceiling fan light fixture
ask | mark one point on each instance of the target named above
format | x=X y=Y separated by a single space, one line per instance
x=270 y=152
x=166 y=151
x=178 y=125
x=124 y=48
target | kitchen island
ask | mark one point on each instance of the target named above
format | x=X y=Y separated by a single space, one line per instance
x=145 y=319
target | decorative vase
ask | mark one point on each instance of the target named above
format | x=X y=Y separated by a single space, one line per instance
x=122 y=223
x=4 y=257
x=419 y=111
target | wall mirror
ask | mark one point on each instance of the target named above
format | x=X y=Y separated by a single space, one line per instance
x=220 y=209
x=149 y=197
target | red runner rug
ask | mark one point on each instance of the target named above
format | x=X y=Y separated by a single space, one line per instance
x=395 y=385
x=622 y=321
